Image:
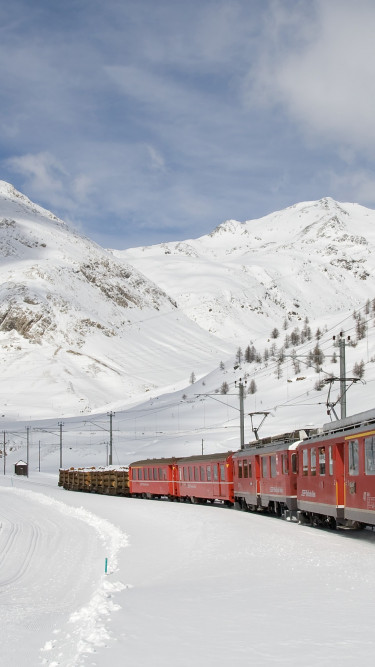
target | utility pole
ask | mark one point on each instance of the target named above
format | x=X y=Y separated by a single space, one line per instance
x=110 y=415
x=202 y=446
x=242 y=414
x=341 y=345
x=60 y=424
x=27 y=448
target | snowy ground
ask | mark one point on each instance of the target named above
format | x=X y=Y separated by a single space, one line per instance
x=186 y=585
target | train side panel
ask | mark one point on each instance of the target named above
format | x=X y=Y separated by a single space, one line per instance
x=154 y=478
x=206 y=477
x=320 y=479
x=246 y=479
x=359 y=478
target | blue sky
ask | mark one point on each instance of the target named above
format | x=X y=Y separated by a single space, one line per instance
x=156 y=120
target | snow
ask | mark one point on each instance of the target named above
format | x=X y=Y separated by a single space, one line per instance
x=187 y=585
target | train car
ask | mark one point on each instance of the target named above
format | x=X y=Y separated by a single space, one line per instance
x=154 y=478
x=207 y=477
x=246 y=478
x=336 y=478
x=265 y=474
x=106 y=480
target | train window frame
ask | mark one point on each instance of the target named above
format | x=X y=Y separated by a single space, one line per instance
x=273 y=466
x=250 y=470
x=222 y=472
x=245 y=470
x=160 y=474
x=330 y=460
x=215 y=473
x=240 y=474
x=305 y=462
x=353 y=457
x=285 y=463
x=202 y=474
x=264 y=467
x=322 y=461
x=191 y=476
x=145 y=476
x=155 y=475
x=294 y=463
x=208 y=471
x=370 y=455
x=313 y=461
x=196 y=474
x=185 y=476
x=140 y=475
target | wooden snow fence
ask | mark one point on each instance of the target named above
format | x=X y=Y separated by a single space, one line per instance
x=108 y=481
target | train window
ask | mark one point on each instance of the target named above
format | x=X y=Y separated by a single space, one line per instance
x=250 y=470
x=264 y=466
x=203 y=475
x=294 y=461
x=160 y=471
x=285 y=466
x=185 y=474
x=370 y=455
x=216 y=476
x=322 y=460
x=155 y=473
x=245 y=469
x=149 y=473
x=145 y=473
x=222 y=472
x=239 y=469
x=190 y=474
x=353 y=457
x=305 y=462
x=180 y=473
x=208 y=473
x=313 y=461
x=330 y=460
x=273 y=465
x=140 y=473
x=196 y=474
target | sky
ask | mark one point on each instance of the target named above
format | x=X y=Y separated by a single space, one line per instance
x=141 y=122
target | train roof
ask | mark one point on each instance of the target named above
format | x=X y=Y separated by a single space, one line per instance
x=280 y=441
x=361 y=419
x=218 y=456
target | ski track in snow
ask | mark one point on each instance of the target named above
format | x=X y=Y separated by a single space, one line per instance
x=50 y=555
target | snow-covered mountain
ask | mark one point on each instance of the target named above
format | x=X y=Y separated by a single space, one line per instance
x=78 y=327
x=308 y=260
x=86 y=330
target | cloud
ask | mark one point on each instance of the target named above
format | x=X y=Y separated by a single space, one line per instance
x=323 y=75
x=161 y=119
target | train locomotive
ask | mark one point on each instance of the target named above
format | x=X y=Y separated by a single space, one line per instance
x=322 y=477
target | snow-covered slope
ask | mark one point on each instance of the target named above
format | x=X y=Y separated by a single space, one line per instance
x=78 y=327
x=307 y=260
x=86 y=330
x=188 y=585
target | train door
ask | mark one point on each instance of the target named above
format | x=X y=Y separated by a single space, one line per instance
x=216 y=480
x=352 y=466
x=339 y=473
x=175 y=480
x=222 y=488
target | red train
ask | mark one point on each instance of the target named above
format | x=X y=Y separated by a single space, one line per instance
x=326 y=477
x=194 y=478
